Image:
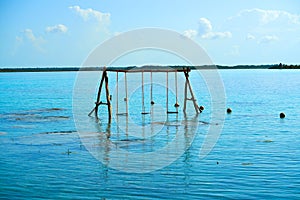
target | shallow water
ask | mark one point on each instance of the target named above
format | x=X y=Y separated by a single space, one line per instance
x=42 y=155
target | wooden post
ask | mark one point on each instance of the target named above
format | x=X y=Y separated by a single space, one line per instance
x=108 y=99
x=187 y=84
x=98 y=96
x=193 y=98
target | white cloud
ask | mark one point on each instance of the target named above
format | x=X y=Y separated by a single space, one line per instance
x=35 y=41
x=268 y=39
x=268 y=16
x=190 y=33
x=217 y=35
x=60 y=28
x=206 y=30
x=29 y=35
x=89 y=13
x=204 y=26
x=250 y=37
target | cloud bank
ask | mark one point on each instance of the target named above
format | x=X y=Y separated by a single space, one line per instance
x=35 y=41
x=268 y=39
x=268 y=16
x=190 y=33
x=205 y=31
x=89 y=13
x=60 y=28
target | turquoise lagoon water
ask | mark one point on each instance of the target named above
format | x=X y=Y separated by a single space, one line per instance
x=257 y=155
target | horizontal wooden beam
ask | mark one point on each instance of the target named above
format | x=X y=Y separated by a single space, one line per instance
x=149 y=69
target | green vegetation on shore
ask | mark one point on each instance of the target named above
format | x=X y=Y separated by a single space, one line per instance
x=69 y=69
x=284 y=66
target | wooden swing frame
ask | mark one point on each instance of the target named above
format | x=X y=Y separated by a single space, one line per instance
x=142 y=70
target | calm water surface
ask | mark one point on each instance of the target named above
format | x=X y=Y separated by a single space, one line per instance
x=256 y=157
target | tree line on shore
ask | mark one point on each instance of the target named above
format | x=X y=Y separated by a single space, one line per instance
x=65 y=69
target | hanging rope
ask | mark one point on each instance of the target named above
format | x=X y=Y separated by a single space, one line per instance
x=167 y=90
x=151 y=89
x=117 y=92
x=167 y=103
x=176 y=105
x=125 y=98
x=143 y=96
x=126 y=91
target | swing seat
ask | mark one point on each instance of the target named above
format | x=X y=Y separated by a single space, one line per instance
x=145 y=113
x=172 y=112
x=122 y=114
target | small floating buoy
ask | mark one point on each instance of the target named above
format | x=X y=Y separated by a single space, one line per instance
x=228 y=110
x=282 y=115
x=176 y=105
x=152 y=103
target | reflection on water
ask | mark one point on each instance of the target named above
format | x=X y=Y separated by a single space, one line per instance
x=152 y=145
x=106 y=143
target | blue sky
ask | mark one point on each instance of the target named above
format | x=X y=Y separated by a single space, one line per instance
x=55 y=33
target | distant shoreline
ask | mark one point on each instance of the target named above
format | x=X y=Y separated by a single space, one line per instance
x=74 y=69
